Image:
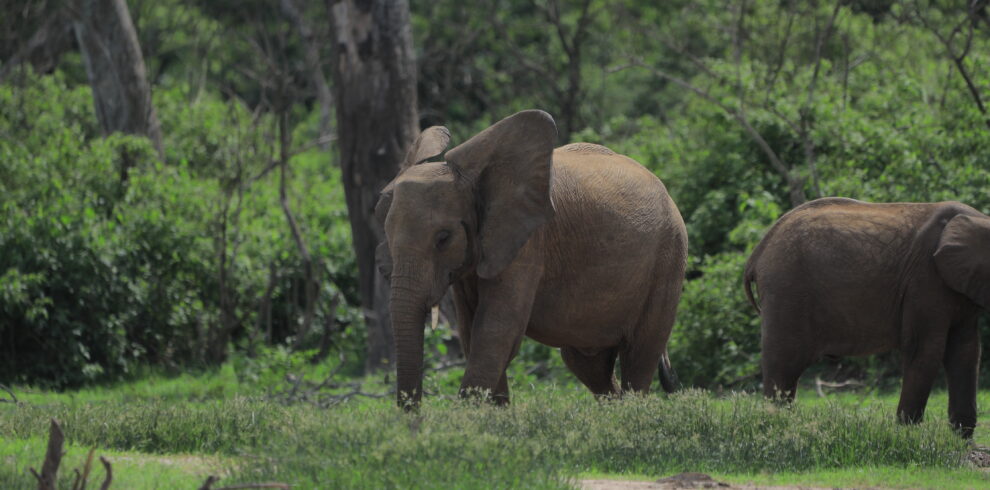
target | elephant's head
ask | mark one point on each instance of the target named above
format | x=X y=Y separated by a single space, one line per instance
x=963 y=257
x=469 y=214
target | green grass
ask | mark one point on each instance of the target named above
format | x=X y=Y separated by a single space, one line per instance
x=886 y=402
x=872 y=476
x=185 y=428
x=546 y=437
x=130 y=469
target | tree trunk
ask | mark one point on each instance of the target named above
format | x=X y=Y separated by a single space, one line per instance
x=116 y=71
x=374 y=74
x=43 y=49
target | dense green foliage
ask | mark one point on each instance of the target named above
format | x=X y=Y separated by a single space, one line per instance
x=102 y=274
x=111 y=260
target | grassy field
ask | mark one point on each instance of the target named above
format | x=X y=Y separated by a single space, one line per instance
x=174 y=432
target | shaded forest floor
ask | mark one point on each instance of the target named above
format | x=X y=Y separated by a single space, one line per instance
x=175 y=432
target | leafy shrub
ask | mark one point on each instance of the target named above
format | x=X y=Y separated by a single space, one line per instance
x=110 y=259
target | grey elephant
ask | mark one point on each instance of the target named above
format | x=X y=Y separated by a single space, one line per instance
x=579 y=248
x=840 y=277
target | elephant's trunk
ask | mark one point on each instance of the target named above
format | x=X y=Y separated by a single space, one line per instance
x=408 y=307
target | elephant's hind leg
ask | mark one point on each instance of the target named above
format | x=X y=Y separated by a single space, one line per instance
x=641 y=353
x=597 y=371
x=784 y=359
x=639 y=362
x=962 y=365
x=781 y=371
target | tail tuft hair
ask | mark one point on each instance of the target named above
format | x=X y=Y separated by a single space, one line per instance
x=668 y=378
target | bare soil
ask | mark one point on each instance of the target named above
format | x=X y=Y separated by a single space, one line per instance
x=682 y=480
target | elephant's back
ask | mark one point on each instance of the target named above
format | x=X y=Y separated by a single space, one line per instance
x=610 y=209
x=591 y=179
x=838 y=234
x=841 y=220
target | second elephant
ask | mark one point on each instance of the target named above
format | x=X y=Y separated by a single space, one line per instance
x=839 y=277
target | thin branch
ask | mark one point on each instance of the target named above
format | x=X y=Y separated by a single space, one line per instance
x=775 y=160
x=818 y=50
x=819 y=384
x=958 y=60
x=109 y=478
x=794 y=184
x=522 y=57
x=774 y=70
x=737 y=47
x=82 y=478
x=13 y=397
x=285 y=139
x=805 y=131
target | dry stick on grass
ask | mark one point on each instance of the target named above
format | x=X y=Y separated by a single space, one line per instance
x=819 y=384
x=13 y=397
x=109 y=478
x=48 y=479
x=80 y=481
x=53 y=457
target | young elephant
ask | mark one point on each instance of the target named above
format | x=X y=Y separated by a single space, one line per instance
x=839 y=277
x=578 y=248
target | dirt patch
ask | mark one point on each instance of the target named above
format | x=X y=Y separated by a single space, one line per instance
x=682 y=480
x=980 y=457
x=188 y=463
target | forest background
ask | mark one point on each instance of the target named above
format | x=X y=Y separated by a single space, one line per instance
x=210 y=204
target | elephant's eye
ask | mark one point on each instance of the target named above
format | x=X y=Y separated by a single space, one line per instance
x=443 y=238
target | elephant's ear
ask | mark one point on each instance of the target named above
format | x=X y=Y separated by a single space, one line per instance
x=430 y=144
x=963 y=257
x=382 y=255
x=510 y=166
x=384 y=202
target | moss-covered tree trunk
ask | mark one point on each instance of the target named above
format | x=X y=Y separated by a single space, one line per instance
x=374 y=74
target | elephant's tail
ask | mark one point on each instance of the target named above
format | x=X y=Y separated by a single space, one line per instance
x=668 y=378
x=749 y=276
x=748 y=279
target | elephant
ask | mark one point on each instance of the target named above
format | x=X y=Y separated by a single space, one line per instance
x=577 y=247
x=839 y=277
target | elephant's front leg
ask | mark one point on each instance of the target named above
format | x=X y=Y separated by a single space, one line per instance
x=962 y=366
x=498 y=327
x=923 y=348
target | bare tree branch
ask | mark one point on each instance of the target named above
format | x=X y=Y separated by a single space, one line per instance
x=958 y=60
x=805 y=118
x=13 y=397
x=48 y=478
x=773 y=70
x=311 y=282
x=109 y=478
